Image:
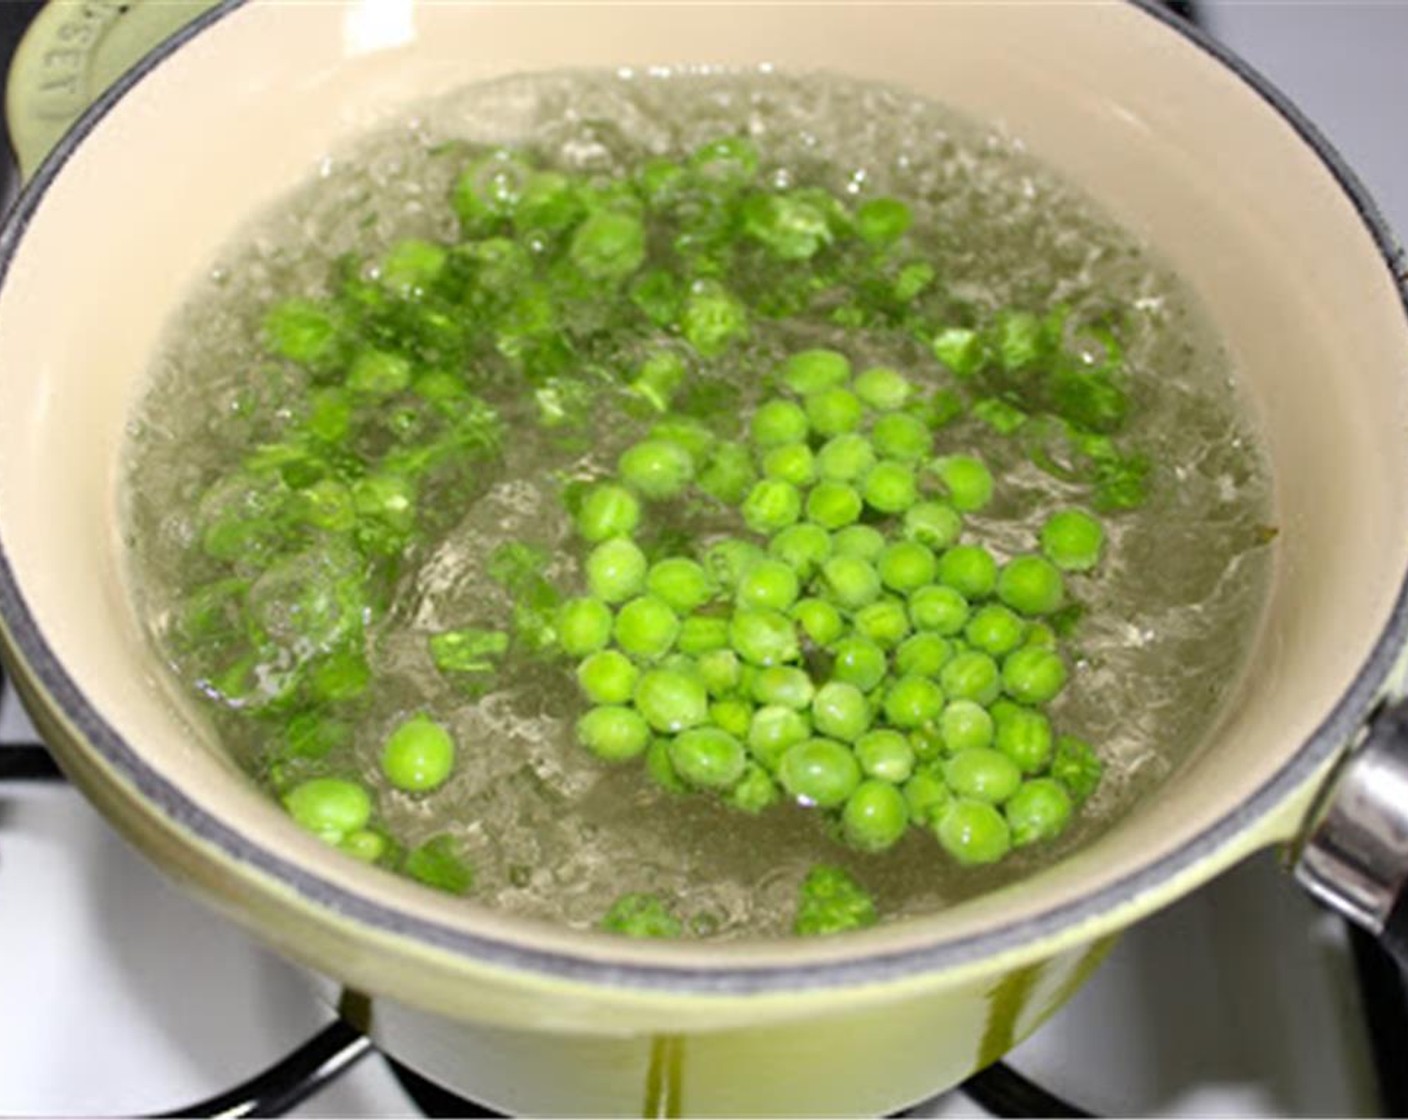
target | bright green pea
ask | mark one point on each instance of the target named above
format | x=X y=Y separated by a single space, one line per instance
x=609 y=245
x=769 y=585
x=933 y=524
x=616 y=570
x=1032 y=675
x=779 y=422
x=982 y=774
x=973 y=832
x=900 y=436
x=1040 y=635
x=656 y=468
x=728 y=474
x=852 y=582
x=864 y=541
x=613 y=733
x=906 y=566
x=732 y=715
x=729 y=559
x=763 y=637
x=968 y=481
x=1040 y=810
x=886 y=755
x=583 y=626
x=811 y=371
x=330 y=808
x=302 y=331
x=927 y=796
x=802 y=547
x=833 y=411
x=646 y=627
x=859 y=662
x=773 y=730
x=771 y=505
x=995 y=630
x=366 y=844
x=965 y=726
x=939 y=609
x=923 y=655
x=833 y=505
x=927 y=743
x=885 y=622
x=701 y=634
x=882 y=221
x=913 y=702
x=875 y=817
x=755 y=791
x=819 y=620
x=1072 y=540
x=785 y=686
x=1031 y=585
x=680 y=582
x=819 y=772
x=890 y=487
x=671 y=701
x=713 y=318
x=607 y=511
x=720 y=669
x=845 y=458
x=661 y=769
x=708 y=758
x=418 y=756
x=793 y=462
x=685 y=432
x=840 y=711
x=1023 y=735
x=971 y=675
x=608 y=677
x=970 y=570
x=883 y=389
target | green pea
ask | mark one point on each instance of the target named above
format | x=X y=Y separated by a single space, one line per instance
x=773 y=730
x=670 y=700
x=616 y=570
x=971 y=675
x=923 y=655
x=366 y=844
x=1040 y=810
x=683 y=431
x=890 y=487
x=864 y=541
x=811 y=371
x=1072 y=540
x=609 y=245
x=885 y=755
x=840 y=711
x=785 y=686
x=302 y=331
x=913 y=702
x=939 y=609
x=819 y=772
x=656 y=469
x=1076 y=766
x=906 y=566
x=681 y=583
x=412 y=265
x=973 y=832
x=845 y=458
x=613 y=732
x=875 y=817
x=763 y=637
x=964 y=726
x=646 y=627
x=728 y=474
x=982 y=774
x=418 y=756
x=933 y=524
x=819 y=620
x=1023 y=735
x=833 y=505
x=607 y=511
x=970 y=570
x=708 y=758
x=882 y=221
x=729 y=559
x=927 y=796
x=379 y=373
x=885 y=622
x=779 y=422
x=641 y=915
x=1040 y=635
x=900 y=436
x=755 y=791
x=860 y=662
x=968 y=481
x=768 y=585
x=851 y=581
x=1031 y=585
x=732 y=715
x=330 y=808
x=1032 y=675
x=802 y=547
x=701 y=634
x=833 y=411
x=720 y=670
x=995 y=630
x=661 y=769
x=883 y=389
x=771 y=505
x=793 y=462
x=583 y=626
x=608 y=677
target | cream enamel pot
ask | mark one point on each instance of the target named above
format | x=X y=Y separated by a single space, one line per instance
x=1175 y=138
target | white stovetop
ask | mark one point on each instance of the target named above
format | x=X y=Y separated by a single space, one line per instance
x=119 y=995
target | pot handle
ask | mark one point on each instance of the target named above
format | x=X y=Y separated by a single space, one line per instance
x=70 y=54
x=1354 y=855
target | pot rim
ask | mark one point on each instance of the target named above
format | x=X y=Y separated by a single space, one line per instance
x=1336 y=728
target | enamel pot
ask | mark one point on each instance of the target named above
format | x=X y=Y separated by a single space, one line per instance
x=1178 y=141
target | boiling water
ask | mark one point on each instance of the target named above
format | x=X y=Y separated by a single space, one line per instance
x=552 y=833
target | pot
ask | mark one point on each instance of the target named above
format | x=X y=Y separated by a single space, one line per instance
x=1176 y=139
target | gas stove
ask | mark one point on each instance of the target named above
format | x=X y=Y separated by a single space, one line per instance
x=122 y=996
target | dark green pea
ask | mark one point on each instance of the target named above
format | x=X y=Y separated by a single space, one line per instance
x=902 y=437
x=811 y=371
x=860 y=662
x=609 y=245
x=970 y=570
x=939 y=609
x=819 y=621
x=967 y=480
x=1032 y=675
x=302 y=331
x=875 y=817
x=656 y=469
x=933 y=524
x=840 y=711
x=779 y=422
x=785 y=686
x=768 y=585
x=616 y=570
x=995 y=630
x=641 y=915
x=1023 y=735
x=885 y=622
x=1040 y=810
x=890 y=487
x=607 y=511
x=583 y=626
x=819 y=772
x=803 y=548
x=773 y=730
x=377 y=373
x=971 y=675
x=982 y=774
x=833 y=411
x=851 y=581
x=965 y=725
x=923 y=655
x=608 y=677
x=708 y=758
x=646 y=627
x=913 y=702
x=886 y=755
x=613 y=733
x=1072 y=540
x=845 y=458
x=772 y=505
x=764 y=637
x=906 y=566
x=882 y=221
x=1076 y=766
x=682 y=583
x=973 y=832
x=833 y=505
x=671 y=701
x=1031 y=585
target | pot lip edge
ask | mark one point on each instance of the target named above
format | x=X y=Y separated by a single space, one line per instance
x=340 y=904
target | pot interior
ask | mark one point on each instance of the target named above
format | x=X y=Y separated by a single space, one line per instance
x=1167 y=138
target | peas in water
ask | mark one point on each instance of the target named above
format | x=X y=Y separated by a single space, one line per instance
x=418 y=756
